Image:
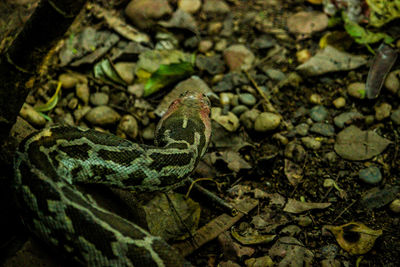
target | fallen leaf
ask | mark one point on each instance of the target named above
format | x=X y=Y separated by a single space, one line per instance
x=294 y=253
x=354 y=237
x=49 y=105
x=355 y=144
x=293 y=171
x=294 y=206
x=251 y=239
x=234 y=160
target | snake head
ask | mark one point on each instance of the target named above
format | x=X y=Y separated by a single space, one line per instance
x=187 y=117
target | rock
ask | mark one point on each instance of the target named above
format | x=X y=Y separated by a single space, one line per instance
x=304 y=220
x=377 y=197
x=347 y=118
x=330 y=157
x=221 y=45
x=330 y=59
x=319 y=113
x=215 y=7
x=303 y=55
x=205 y=46
x=32 y=116
x=307 y=22
x=302 y=129
x=247 y=99
x=392 y=82
x=214 y=27
x=323 y=129
x=356 y=90
x=311 y=142
x=73 y=103
x=295 y=151
x=136 y=90
x=330 y=263
x=267 y=121
x=263 y=42
x=382 y=111
x=81 y=112
x=126 y=70
x=128 y=126
x=102 y=116
x=189 y=6
x=395 y=206
x=143 y=13
x=225 y=98
x=148 y=132
x=274 y=74
x=339 y=102
x=316 y=99
x=238 y=110
x=395 y=117
x=212 y=64
x=264 y=261
x=229 y=121
x=99 y=99
x=238 y=57
x=67 y=119
x=230 y=81
x=249 y=117
x=370 y=175
x=68 y=80
x=83 y=92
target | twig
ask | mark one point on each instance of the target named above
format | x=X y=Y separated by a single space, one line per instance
x=348 y=207
x=269 y=106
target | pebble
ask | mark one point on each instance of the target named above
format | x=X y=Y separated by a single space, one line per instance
x=229 y=121
x=303 y=55
x=347 y=118
x=102 y=116
x=189 y=6
x=68 y=80
x=136 y=90
x=128 y=126
x=316 y=99
x=392 y=82
x=212 y=64
x=81 y=112
x=328 y=183
x=382 y=111
x=247 y=99
x=68 y=119
x=126 y=70
x=221 y=45
x=214 y=27
x=205 y=46
x=275 y=74
x=395 y=117
x=248 y=118
x=264 y=261
x=311 y=142
x=73 y=103
x=82 y=92
x=356 y=90
x=339 y=102
x=148 y=132
x=215 y=7
x=99 y=99
x=32 y=116
x=395 y=206
x=330 y=157
x=323 y=129
x=142 y=12
x=302 y=129
x=378 y=197
x=238 y=57
x=263 y=42
x=331 y=263
x=267 y=121
x=240 y=109
x=319 y=113
x=370 y=175
x=369 y=119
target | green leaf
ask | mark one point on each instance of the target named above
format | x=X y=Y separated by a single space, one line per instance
x=167 y=74
x=362 y=35
x=52 y=101
x=105 y=71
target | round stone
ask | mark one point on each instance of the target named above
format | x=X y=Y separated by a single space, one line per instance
x=382 y=111
x=395 y=206
x=356 y=90
x=311 y=142
x=302 y=129
x=267 y=121
x=319 y=113
x=247 y=99
x=238 y=110
x=370 y=175
x=102 y=115
x=99 y=99
x=339 y=102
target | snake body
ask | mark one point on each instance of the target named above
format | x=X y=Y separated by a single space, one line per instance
x=50 y=163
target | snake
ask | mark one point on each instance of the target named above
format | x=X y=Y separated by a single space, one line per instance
x=52 y=163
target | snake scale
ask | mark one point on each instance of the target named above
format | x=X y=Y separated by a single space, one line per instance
x=50 y=163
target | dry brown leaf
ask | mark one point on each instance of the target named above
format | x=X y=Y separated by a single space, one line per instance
x=294 y=206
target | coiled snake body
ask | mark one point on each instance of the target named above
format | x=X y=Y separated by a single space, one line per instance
x=49 y=163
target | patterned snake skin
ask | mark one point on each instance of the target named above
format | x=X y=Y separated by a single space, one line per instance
x=51 y=162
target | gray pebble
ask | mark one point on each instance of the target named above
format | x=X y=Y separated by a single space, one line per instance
x=99 y=99
x=319 y=113
x=247 y=99
x=238 y=110
x=347 y=118
x=148 y=132
x=302 y=129
x=323 y=129
x=395 y=117
x=274 y=74
x=330 y=157
x=82 y=92
x=81 y=112
x=370 y=175
x=248 y=118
